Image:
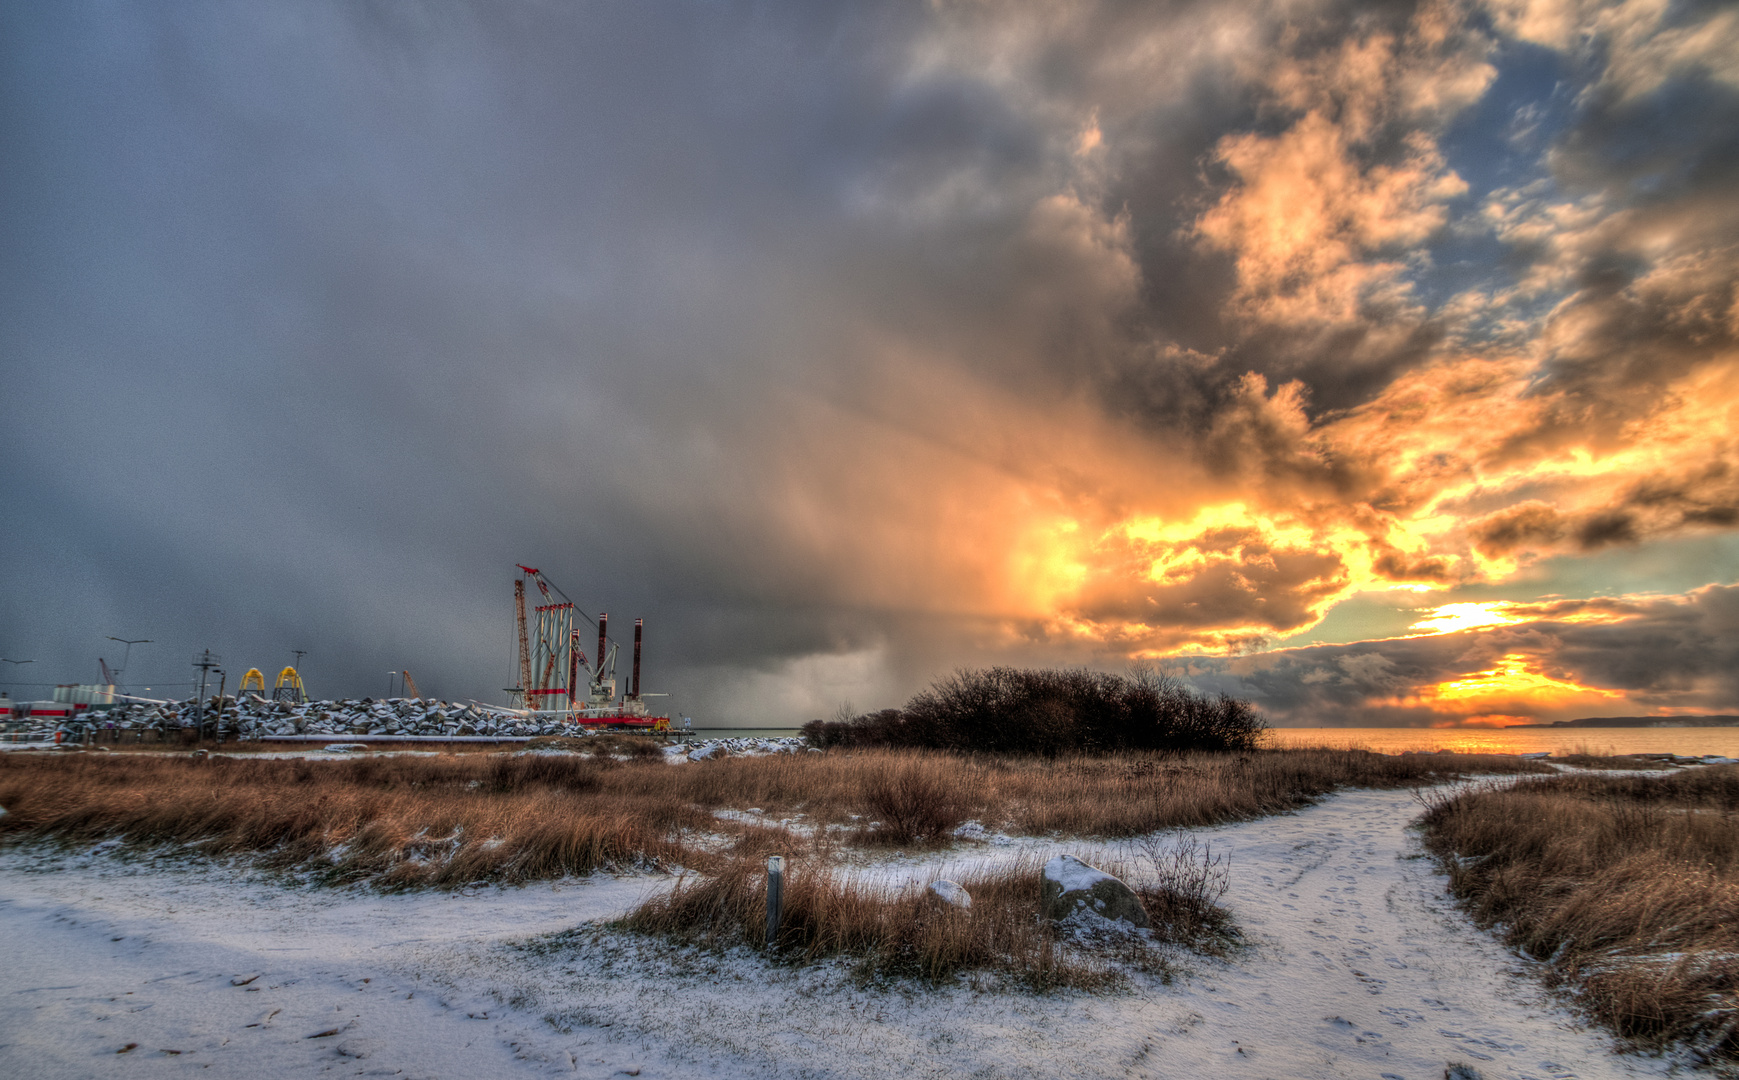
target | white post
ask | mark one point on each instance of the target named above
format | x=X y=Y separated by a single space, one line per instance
x=775 y=896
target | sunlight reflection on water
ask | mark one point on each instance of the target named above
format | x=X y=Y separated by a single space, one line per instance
x=1686 y=741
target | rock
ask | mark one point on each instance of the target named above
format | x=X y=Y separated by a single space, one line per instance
x=1069 y=884
x=1459 y=1071
x=951 y=893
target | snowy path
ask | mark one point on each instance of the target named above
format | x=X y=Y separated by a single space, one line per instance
x=1360 y=968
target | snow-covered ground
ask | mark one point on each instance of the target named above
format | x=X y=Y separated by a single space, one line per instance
x=1360 y=967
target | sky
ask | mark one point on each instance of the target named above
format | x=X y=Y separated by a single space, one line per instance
x=1376 y=362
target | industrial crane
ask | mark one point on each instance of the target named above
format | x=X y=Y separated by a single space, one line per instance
x=554 y=650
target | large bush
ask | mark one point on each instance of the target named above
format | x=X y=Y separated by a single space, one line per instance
x=1010 y=710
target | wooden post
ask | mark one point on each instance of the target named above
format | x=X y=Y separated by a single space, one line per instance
x=775 y=896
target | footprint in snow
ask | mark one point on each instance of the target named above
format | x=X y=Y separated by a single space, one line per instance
x=1402 y=1016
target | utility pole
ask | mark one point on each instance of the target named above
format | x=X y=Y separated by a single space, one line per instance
x=299 y=654
x=205 y=661
x=217 y=725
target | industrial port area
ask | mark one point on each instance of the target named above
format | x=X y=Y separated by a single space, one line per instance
x=560 y=691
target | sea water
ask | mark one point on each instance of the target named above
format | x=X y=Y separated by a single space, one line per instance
x=1688 y=741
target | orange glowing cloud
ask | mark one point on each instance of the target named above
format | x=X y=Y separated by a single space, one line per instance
x=1520 y=419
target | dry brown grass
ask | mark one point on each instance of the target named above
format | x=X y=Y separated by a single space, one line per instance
x=889 y=931
x=399 y=821
x=1608 y=762
x=1627 y=885
x=608 y=744
x=452 y=819
x=999 y=940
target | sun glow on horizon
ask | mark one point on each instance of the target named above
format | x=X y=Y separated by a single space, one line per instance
x=1512 y=679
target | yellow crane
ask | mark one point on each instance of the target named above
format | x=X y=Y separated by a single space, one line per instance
x=410 y=684
x=289 y=687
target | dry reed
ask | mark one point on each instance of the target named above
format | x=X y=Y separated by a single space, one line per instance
x=448 y=820
x=1000 y=939
x=1627 y=886
x=890 y=932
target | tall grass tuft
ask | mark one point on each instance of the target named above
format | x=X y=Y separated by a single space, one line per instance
x=999 y=940
x=1627 y=886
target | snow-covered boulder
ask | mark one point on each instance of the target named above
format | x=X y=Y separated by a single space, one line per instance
x=951 y=893
x=1069 y=885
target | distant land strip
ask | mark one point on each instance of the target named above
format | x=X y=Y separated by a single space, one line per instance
x=1722 y=720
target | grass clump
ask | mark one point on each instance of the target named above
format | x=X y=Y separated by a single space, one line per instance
x=1000 y=940
x=889 y=931
x=1608 y=762
x=1626 y=886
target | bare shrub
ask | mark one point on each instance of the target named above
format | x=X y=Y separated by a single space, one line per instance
x=1182 y=885
x=1626 y=886
x=1015 y=711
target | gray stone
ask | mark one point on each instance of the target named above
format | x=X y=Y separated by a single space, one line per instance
x=951 y=893
x=1069 y=885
